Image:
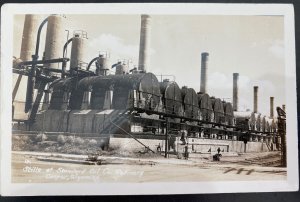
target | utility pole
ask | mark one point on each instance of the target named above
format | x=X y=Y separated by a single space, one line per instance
x=166 y=137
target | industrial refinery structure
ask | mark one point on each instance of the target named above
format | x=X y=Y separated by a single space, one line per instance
x=132 y=104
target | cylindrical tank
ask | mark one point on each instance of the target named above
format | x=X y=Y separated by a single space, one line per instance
x=31 y=26
x=203 y=80
x=144 y=43
x=141 y=90
x=78 y=51
x=62 y=89
x=235 y=94
x=121 y=68
x=190 y=102
x=54 y=39
x=129 y=90
x=263 y=124
x=255 y=95
x=205 y=105
x=228 y=113
x=268 y=126
x=258 y=122
x=171 y=97
x=243 y=117
x=218 y=110
x=273 y=125
x=102 y=65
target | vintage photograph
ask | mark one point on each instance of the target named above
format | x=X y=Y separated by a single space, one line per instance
x=148 y=98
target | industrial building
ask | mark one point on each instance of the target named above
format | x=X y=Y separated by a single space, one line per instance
x=131 y=105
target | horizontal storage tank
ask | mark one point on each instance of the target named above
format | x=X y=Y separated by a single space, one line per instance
x=139 y=90
x=102 y=91
x=228 y=113
x=171 y=97
x=205 y=105
x=245 y=117
x=218 y=110
x=62 y=89
x=190 y=103
x=80 y=96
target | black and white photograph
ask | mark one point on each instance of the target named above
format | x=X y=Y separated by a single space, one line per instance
x=136 y=99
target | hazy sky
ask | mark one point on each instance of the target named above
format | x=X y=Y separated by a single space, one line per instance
x=250 y=45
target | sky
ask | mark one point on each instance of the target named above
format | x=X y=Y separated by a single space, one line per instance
x=252 y=46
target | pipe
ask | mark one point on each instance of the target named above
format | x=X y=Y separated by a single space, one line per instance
x=37 y=62
x=203 y=81
x=64 y=64
x=90 y=63
x=31 y=77
x=66 y=46
x=235 y=97
x=271 y=107
x=255 y=107
x=283 y=107
x=144 y=43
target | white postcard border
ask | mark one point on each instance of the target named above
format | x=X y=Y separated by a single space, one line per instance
x=8 y=188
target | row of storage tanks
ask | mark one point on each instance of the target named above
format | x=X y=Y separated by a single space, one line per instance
x=122 y=90
x=144 y=92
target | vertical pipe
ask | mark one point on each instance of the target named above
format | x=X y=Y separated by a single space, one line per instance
x=32 y=73
x=271 y=107
x=255 y=107
x=166 y=137
x=283 y=108
x=144 y=43
x=204 y=60
x=235 y=94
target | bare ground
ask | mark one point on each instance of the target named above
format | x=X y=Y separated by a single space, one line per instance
x=40 y=167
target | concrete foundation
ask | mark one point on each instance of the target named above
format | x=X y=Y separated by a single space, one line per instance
x=52 y=121
x=194 y=145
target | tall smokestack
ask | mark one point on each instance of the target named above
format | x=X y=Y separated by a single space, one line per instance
x=54 y=39
x=144 y=43
x=235 y=94
x=271 y=107
x=255 y=99
x=31 y=26
x=204 y=59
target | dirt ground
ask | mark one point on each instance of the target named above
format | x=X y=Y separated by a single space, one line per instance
x=38 y=167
